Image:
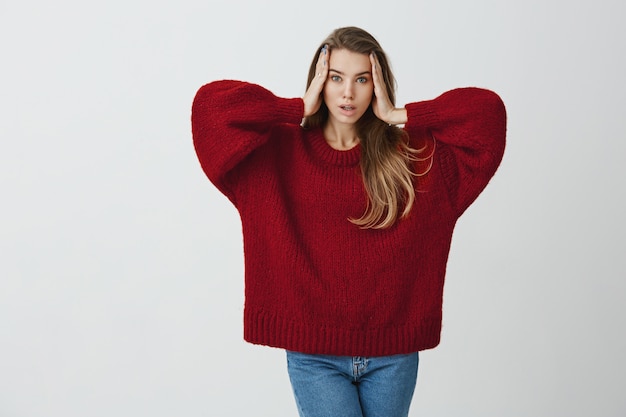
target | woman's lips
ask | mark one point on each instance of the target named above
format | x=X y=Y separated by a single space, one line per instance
x=347 y=109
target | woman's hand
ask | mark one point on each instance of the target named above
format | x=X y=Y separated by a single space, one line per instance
x=381 y=104
x=313 y=96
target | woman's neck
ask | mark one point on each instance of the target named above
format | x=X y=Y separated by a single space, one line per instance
x=340 y=136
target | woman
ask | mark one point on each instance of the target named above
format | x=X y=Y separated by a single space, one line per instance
x=347 y=218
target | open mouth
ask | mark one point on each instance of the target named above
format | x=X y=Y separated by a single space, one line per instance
x=347 y=107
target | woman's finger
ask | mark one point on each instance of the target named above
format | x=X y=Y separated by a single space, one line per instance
x=377 y=75
x=322 y=63
x=381 y=104
x=312 y=98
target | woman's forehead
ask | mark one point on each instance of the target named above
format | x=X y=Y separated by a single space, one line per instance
x=348 y=62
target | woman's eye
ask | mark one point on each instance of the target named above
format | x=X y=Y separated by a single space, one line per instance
x=335 y=78
x=361 y=80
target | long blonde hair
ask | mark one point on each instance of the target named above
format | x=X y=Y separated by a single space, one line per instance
x=387 y=160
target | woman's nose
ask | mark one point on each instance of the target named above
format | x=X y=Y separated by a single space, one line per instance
x=347 y=92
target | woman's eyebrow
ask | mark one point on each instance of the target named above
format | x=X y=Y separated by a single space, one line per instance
x=360 y=73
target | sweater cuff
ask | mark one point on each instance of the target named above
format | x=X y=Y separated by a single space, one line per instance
x=422 y=114
x=289 y=110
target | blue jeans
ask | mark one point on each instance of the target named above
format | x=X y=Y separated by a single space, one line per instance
x=352 y=386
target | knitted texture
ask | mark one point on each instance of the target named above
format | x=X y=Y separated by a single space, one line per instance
x=315 y=282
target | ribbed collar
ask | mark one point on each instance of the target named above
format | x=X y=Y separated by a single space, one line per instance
x=322 y=150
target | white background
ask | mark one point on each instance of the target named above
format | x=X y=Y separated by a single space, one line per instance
x=121 y=278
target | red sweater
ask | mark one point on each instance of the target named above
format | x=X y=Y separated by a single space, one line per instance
x=315 y=282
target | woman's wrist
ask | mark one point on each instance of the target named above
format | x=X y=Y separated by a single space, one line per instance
x=398 y=116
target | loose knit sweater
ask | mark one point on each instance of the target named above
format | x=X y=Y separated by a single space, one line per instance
x=314 y=281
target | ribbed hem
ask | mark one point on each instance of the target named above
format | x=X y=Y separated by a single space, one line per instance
x=281 y=332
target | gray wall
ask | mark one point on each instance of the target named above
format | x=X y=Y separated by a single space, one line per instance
x=121 y=284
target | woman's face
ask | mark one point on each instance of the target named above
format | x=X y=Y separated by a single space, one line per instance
x=349 y=88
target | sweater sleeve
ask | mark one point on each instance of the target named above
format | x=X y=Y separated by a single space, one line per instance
x=469 y=127
x=230 y=119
